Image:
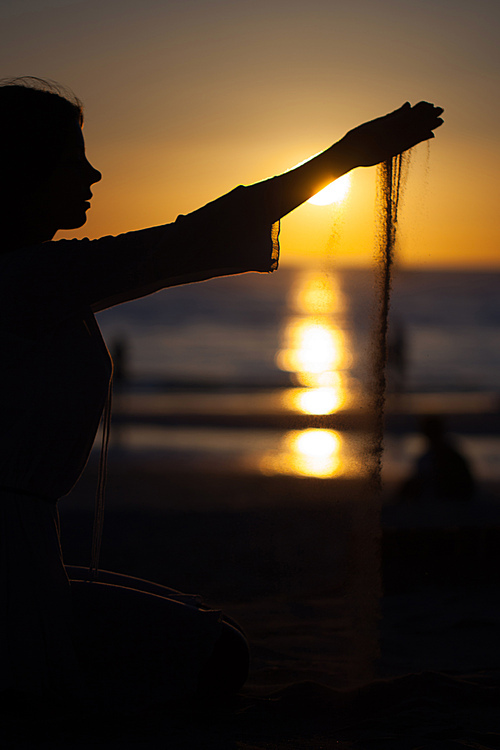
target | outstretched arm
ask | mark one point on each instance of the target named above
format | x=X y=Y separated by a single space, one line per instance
x=367 y=145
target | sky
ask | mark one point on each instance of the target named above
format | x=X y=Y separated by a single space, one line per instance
x=186 y=99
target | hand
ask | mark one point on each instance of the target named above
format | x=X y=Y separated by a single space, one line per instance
x=380 y=139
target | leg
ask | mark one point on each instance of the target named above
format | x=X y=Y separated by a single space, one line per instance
x=137 y=648
x=226 y=670
x=79 y=573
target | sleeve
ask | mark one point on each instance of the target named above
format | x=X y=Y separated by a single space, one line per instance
x=230 y=235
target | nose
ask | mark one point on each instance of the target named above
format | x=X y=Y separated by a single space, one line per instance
x=94 y=174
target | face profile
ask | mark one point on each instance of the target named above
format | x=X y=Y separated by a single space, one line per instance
x=46 y=177
x=65 y=196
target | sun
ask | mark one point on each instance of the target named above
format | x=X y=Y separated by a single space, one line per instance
x=335 y=192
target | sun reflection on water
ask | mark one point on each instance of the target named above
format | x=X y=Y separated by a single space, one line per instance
x=317 y=293
x=306 y=453
x=312 y=346
x=316 y=348
x=316 y=352
x=316 y=400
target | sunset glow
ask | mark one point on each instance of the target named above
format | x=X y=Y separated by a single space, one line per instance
x=335 y=192
x=182 y=107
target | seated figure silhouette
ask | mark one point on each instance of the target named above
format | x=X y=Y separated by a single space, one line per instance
x=106 y=637
x=441 y=472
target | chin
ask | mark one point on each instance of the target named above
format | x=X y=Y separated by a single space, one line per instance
x=73 y=222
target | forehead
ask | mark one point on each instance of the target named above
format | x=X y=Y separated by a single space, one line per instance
x=74 y=141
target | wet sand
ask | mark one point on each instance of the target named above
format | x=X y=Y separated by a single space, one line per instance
x=371 y=624
x=368 y=630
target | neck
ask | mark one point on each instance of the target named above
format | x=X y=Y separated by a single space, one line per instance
x=23 y=233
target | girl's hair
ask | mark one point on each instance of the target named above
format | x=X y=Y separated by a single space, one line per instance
x=35 y=118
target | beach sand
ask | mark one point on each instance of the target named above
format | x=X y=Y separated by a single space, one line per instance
x=367 y=630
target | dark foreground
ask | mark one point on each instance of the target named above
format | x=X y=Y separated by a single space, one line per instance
x=364 y=635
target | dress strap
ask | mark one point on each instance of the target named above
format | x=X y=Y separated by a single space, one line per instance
x=101 y=487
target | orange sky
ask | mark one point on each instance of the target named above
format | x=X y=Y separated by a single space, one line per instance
x=185 y=100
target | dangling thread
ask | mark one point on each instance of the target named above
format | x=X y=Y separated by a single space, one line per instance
x=391 y=176
x=101 y=487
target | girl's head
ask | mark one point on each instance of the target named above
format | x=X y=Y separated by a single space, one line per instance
x=42 y=156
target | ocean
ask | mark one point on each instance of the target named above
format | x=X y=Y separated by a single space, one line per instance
x=226 y=332
x=300 y=341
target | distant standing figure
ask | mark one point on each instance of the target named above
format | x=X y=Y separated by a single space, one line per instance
x=441 y=473
x=119 y=355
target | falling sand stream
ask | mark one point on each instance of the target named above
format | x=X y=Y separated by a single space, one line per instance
x=391 y=178
x=365 y=585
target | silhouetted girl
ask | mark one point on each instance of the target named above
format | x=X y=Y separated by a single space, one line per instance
x=127 y=642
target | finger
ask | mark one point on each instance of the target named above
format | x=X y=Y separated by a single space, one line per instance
x=423 y=105
x=423 y=108
x=436 y=123
x=423 y=117
x=406 y=107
